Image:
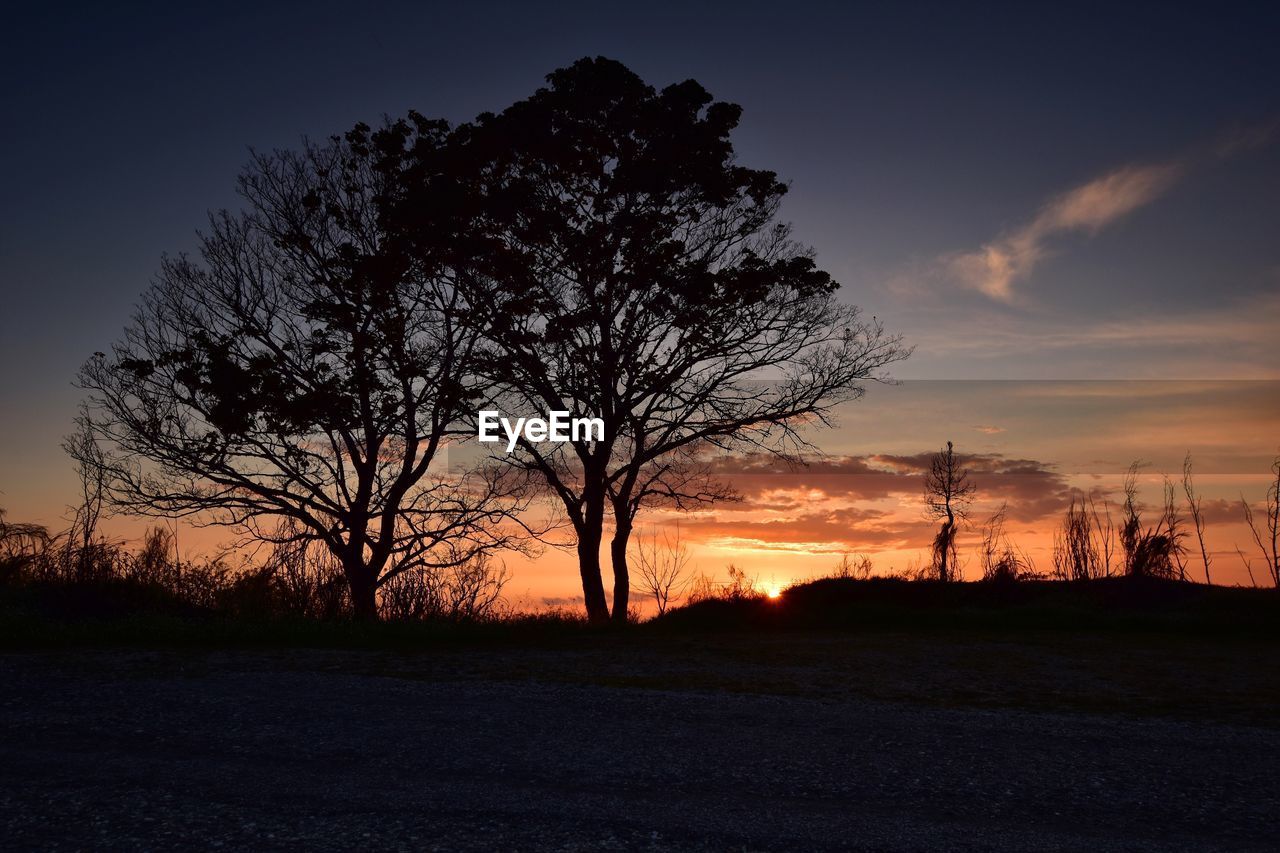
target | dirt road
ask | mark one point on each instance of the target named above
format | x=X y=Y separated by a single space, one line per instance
x=130 y=750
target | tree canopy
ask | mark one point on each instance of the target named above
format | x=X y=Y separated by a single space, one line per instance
x=301 y=368
x=621 y=264
x=595 y=248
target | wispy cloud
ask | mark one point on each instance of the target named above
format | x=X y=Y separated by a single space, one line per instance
x=995 y=268
x=1236 y=340
x=1244 y=138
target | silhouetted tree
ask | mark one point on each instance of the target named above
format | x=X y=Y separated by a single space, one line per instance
x=301 y=367
x=948 y=492
x=662 y=567
x=631 y=270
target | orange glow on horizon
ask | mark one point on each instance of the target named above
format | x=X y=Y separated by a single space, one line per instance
x=1032 y=445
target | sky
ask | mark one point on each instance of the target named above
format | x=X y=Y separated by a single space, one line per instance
x=1070 y=212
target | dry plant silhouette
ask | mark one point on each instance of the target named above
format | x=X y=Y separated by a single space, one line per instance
x=853 y=566
x=1266 y=532
x=1196 y=508
x=663 y=568
x=1002 y=562
x=1084 y=545
x=20 y=546
x=1151 y=551
x=739 y=587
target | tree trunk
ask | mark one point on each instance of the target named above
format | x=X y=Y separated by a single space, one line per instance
x=590 y=534
x=621 y=575
x=363 y=583
x=945 y=536
x=592 y=582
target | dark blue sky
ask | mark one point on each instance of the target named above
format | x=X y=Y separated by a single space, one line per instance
x=917 y=137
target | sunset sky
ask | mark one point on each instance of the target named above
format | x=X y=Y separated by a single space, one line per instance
x=1072 y=216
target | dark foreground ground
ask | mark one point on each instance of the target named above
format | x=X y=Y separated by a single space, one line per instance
x=788 y=741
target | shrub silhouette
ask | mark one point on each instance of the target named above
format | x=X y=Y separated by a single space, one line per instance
x=109 y=577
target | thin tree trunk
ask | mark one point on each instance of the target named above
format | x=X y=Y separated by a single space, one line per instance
x=942 y=552
x=621 y=574
x=945 y=537
x=592 y=581
x=590 y=535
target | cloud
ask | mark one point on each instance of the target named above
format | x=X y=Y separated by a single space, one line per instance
x=840 y=503
x=988 y=429
x=1235 y=340
x=1243 y=139
x=831 y=530
x=1032 y=489
x=997 y=266
x=767 y=483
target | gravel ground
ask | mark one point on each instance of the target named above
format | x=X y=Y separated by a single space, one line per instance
x=121 y=750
